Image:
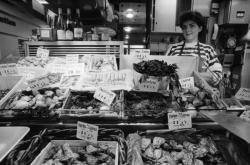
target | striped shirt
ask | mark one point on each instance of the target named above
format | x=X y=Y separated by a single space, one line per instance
x=208 y=56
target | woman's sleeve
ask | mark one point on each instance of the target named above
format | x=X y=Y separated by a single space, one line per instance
x=215 y=67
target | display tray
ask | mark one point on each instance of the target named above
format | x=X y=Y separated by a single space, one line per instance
x=9 y=137
x=103 y=151
x=33 y=104
x=139 y=104
x=181 y=146
x=83 y=104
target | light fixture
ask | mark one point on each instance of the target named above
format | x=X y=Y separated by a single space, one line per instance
x=130 y=15
x=126 y=37
x=127 y=29
x=42 y=2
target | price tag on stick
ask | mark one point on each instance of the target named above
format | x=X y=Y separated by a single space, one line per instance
x=187 y=83
x=87 y=132
x=42 y=53
x=243 y=94
x=179 y=120
x=104 y=96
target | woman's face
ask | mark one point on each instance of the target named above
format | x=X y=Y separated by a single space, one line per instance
x=191 y=31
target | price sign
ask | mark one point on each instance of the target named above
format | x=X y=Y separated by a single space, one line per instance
x=187 y=83
x=72 y=59
x=42 y=53
x=140 y=54
x=104 y=96
x=179 y=120
x=87 y=132
x=243 y=94
x=149 y=85
x=8 y=69
x=39 y=82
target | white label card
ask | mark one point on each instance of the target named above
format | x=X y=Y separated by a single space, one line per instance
x=104 y=96
x=42 y=53
x=38 y=83
x=187 y=83
x=179 y=120
x=72 y=59
x=8 y=69
x=243 y=94
x=140 y=54
x=149 y=85
x=88 y=132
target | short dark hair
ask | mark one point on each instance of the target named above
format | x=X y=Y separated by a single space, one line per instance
x=193 y=16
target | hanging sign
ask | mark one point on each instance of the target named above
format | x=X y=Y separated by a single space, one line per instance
x=104 y=96
x=187 y=83
x=42 y=53
x=179 y=120
x=243 y=94
x=8 y=69
x=88 y=132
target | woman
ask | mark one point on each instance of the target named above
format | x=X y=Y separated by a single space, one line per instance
x=192 y=24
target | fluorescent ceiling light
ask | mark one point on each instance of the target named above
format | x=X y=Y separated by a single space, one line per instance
x=127 y=29
x=130 y=10
x=42 y=1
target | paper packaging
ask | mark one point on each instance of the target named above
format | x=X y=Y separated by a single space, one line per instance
x=75 y=145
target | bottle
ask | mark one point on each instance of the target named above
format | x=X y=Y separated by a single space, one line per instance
x=60 y=26
x=78 y=29
x=69 y=26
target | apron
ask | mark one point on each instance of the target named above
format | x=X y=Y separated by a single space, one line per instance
x=199 y=56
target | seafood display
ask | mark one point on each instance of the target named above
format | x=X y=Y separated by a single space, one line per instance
x=30 y=61
x=139 y=104
x=84 y=103
x=175 y=148
x=44 y=100
x=69 y=153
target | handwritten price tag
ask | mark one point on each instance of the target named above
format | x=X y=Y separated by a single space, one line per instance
x=38 y=83
x=42 y=53
x=243 y=94
x=149 y=85
x=72 y=59
x=179 y=120
x=8 y=69
x=140 y=54
x=104 y=96
x=187 y=83
x=87 y=132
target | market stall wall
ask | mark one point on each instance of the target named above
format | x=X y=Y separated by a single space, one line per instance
x=15 y=24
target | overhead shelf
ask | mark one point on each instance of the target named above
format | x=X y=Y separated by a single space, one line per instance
x=234 y=124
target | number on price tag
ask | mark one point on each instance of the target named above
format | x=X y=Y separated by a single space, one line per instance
x=149 y=85
x=39 y=82
x=42 y=53
x=179 y=120
x=141 y=54
x=8 y=69
x=72 y=59
x=104 y=96
x=187 y=83
x=87 y=132
x=243 y=94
